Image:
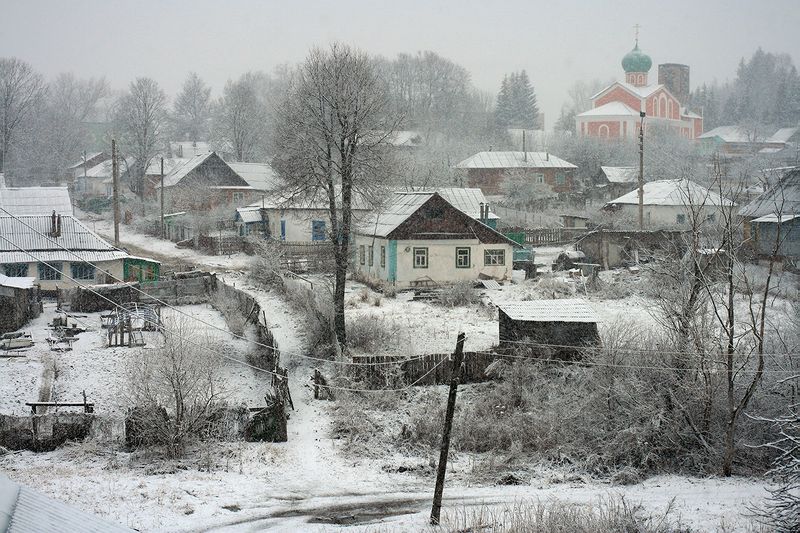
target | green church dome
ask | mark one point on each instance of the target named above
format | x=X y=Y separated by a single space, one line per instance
x=636 y=61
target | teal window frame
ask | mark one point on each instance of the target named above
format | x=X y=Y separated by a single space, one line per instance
x=82 y=271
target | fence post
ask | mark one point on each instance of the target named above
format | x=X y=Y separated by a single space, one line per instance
x=458 y=357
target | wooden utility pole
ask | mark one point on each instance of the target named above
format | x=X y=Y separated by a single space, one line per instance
x=115 y=184
x=163 y=232
x=641 y=171
x=455 y=375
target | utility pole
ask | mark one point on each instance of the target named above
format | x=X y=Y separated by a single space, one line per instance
x=455 y=375
x=115 y=184
x=163 y=232
x=641 y=171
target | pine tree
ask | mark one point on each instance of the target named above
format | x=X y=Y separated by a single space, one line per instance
x=516 y=102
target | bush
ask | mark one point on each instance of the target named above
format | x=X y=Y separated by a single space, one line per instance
x=370 y=334
x=265 y=267
x=458 y=294
x=230 y=308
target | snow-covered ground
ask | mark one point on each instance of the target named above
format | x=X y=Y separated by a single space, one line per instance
x=100 y=371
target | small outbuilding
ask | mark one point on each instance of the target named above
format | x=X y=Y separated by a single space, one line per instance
x=19 y=302
x=563 y=327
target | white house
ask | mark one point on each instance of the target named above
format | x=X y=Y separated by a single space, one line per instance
x=669 y=203
x=51 y=248
x=420 y=238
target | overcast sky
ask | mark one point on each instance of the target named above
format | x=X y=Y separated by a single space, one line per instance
x=557 y=42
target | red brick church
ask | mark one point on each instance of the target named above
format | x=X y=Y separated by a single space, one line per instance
x=615 y=112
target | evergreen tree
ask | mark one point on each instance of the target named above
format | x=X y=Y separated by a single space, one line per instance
x=516 y=102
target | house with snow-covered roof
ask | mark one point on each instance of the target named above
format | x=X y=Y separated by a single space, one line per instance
x=421 y=239
x=60 y=251
x=669 y=203
x=490 y=170
x=739 y=140
x=19 y=201
x=616 y=111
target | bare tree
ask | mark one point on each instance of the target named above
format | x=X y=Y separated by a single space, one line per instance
x=241 y=118
x=331 y=132
x=192 y=109
x=173 y=390
x=140 y=118
x=21 y=89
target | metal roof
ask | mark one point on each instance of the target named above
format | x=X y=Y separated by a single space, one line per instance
x=180 y=171
x=514 y=160
x=610 y=109
x=641 y=92
x=249 y=214
x=402 y=206
x=188 y=149
x=782 y=135
x=673 y=192
x=466 y=200
x=83 y=160
x=783 y=196
x=35 y=200
x=567 y=310
x=774 y=218
x=154 y=168
x=104 y=169
x=23 y=510
x=260 y=176
x=74 y=236
x=733 y=134
x=621 y=174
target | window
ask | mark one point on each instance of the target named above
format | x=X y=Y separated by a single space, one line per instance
x=538 y=178
x=82 y=271
x=371 y=255
x=47 y=273
x=238 y=196
x=383 y=257
x=681 y=219
x=361 y=254
x=318 y=230
x=420 y=258
x=16 y=270
x=462 y=258
x=561 y=178
x=494 y=257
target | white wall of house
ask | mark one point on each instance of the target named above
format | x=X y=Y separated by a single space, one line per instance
x=667 y=216
x=441 y=260
x=298 y=223
x=114 y=268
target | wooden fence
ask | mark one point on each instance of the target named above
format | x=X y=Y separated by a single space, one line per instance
x=543 y=236
x=380 y=371
x=307 y=256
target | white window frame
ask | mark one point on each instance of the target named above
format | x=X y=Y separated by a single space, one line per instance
x=420 y=252
x=494 y=257
x=460 y=256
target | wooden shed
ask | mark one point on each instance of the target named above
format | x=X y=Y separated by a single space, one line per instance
x=565 y=326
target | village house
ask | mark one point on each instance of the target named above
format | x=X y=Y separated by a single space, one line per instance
x=86 y=162
x=420 y=239
x=49 y=248
x=778 y=206
x=152 y=174
x=490 y=170
x=98 y=181
x=617 y=110
x=667 y=203
x=740 y=141
x=561 y=328
x=619 y=248
x=206 y=181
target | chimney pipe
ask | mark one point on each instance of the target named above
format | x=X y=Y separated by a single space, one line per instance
x=58 y=226
x=481 y=215
x=53 y=224
x=524 y=148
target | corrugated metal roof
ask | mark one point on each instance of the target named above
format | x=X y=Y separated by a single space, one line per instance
x=63 y=255
x=82 y=160
x=249 y=214
x=74 y=235
x=35 y=200
x=260 y=176
x=782 y=135
x=23 y=510
x=621 y=174
x=567 y=310
x=514 y=160
x=465 y=199
x=673 y=192
x=402 y=206
x=181 y=170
